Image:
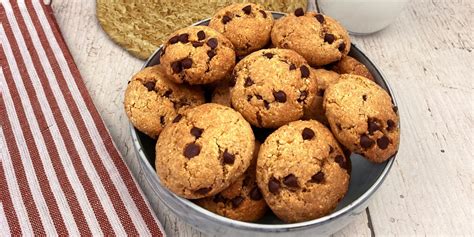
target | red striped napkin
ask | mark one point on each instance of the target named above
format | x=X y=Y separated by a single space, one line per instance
x=60 y=171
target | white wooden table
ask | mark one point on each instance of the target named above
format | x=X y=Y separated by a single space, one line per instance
x=426 y=55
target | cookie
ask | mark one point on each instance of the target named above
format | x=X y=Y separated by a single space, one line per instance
x=318 y=38
x=302 y=172
x=362 y=117
x=324 y=78
x=204 y=150
x=350 y=65
x=242 y=200
x=272 y=87
x=152 y=101
x=246 y=25
x=197 y=55
x=221 y=94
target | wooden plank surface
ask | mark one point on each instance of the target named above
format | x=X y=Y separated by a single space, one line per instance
x=427 y=57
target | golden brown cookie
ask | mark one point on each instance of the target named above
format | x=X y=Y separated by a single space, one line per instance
x=349 y=65
x=318 y=38
x=197 y=55
x=151 y=101
x=246 y=25
x=272 y=87
x=302 y=171
x=362 y=117
x=204 y=150
x=324 y=78
x=242 y=200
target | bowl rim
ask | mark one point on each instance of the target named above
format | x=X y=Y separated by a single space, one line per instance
x=268 y=227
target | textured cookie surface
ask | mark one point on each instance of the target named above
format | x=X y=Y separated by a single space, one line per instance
x=350 y=65
x=151 y=101
x=362 y=117
x=318 y=38
x=204 y=150
x=272 y=87
x=324 y=78
x=246 y=25
x=221 y=94
x=302 y=171
x=242 y=200
x=197 y=55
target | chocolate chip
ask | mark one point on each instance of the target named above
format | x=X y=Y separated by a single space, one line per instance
x=176 y=66
x=177 y=118
x=187 y=63
x=390 y=125
x=274 y=185
x=226 y=19
x=342 y=46
x=211 y=53
x=237 y=201
x=233 y=80
x=321 y=92
x=364 y=97
x=183 y=38
x=259 y=97
x=342 y=162
x=247 y=9
x=331 y=149
x=266 y=104
x=197 y=44
x=320 y=18
x=304 y=71
x=299 y=12
x=201 y=35
x=329 y=38
x=228 y=158
x=219 y=198
x=318 y=177
x=372 y=126
x=280 y=96
x=291 y=181
x=162 y=120
x=268 y=55
x=212 y=42
x=196 y=132
x=203 y=191
x=249 y=98
x=365 y=141
x=303 y=95
x=255 y=194
x=307 y=134
x=292 y=66
x=150 y=85
x=395 y=109
x=263 y=13
x=383 y=142
x=248 y=82
x=191 y=150
x=167 y=93
x=174 y=39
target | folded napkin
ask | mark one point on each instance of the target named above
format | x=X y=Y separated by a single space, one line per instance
x=60 y=171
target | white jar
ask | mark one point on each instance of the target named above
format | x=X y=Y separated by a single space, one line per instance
x=362 y=16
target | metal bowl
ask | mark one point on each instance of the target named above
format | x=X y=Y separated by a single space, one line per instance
x=366 y=178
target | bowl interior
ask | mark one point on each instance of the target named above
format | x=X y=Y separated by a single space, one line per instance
x=364 y=174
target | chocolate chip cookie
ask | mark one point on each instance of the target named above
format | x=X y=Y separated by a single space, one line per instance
x=362 y=117
x=272 y=87
x=204 y=150
x=324 y=78
x=197 y=55
x=350 y=65
x=152 y=101
x=246 y=25
x=221 y=94
x=242 y=200
x=302 y=172
x=318 y=38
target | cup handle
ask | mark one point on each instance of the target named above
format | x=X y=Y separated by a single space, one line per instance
x=313 y=6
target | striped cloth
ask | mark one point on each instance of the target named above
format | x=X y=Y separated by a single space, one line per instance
x=60 y=171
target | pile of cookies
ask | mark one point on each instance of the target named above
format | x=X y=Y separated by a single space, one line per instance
x=221 y=90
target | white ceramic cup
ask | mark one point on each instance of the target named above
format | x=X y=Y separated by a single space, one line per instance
x=362 y=16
